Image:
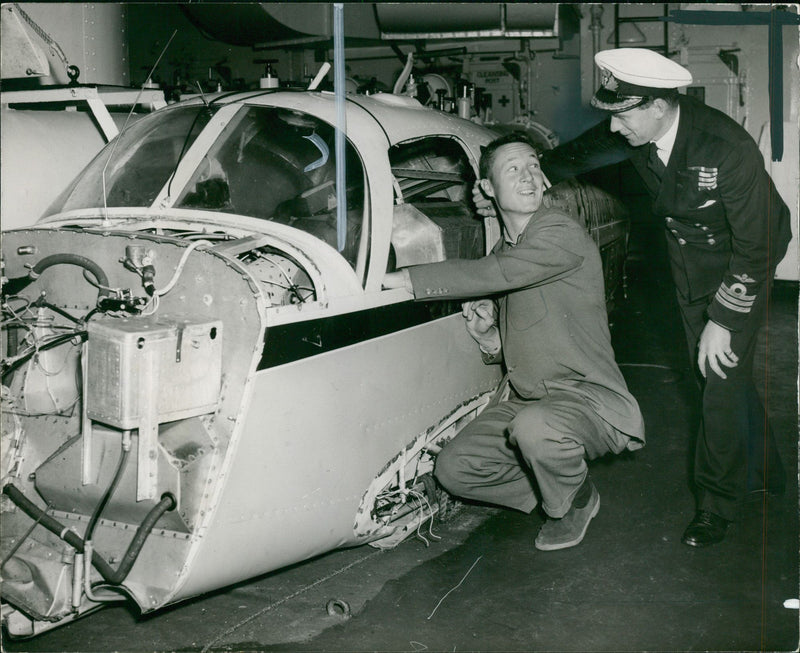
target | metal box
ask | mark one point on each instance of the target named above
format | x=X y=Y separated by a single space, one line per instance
x=149 y=370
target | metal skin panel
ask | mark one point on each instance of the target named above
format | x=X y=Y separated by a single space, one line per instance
x=298 y=476
x=210 y=287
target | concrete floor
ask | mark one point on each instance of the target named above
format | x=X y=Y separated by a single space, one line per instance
x=630 y=586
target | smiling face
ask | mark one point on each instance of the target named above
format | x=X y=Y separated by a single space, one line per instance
x=515 y=182
x=641 y=124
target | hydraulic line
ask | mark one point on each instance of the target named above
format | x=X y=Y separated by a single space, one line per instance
x=42 y=303
x=7 y=368
x=16 y=285
x=109 y=574
x=123 y=459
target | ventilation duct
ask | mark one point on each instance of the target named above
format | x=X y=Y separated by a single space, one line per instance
x=281 y=24
x=411 y=20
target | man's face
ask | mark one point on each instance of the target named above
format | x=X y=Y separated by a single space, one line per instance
x=515 y=180
x=639 y=125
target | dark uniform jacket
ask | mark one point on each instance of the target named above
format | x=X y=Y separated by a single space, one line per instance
x=552 y=315
x=727 y=227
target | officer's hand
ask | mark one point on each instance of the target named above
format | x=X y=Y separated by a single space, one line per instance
x=483 y=205
x=715 y=348
x=481 y=317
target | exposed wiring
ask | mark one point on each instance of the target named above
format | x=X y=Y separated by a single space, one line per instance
x=98 y=285
x=19 y=298
x=151 y=307
x=44 y=370
x=423 y=501
x=400 y=497
x=266 y=257
x=10 y=365
x=455 y=588
x=178 y=270
x=42 y=303
x=271 y=606
x=292 y=287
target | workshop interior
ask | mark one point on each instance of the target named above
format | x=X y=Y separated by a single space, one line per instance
x=219 y=430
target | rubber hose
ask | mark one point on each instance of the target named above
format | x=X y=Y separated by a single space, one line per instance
x=89 y=532
x=115 y=577
x=166 y=504
x=18 y=284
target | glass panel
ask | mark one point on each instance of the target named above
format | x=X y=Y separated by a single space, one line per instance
x=141 y=160
x=279 y=165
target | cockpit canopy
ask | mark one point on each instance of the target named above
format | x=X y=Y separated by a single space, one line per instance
x=269 y=163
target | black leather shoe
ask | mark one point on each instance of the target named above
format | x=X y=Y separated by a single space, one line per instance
x=706 y=528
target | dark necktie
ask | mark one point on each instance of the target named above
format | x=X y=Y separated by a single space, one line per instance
x=654 y=162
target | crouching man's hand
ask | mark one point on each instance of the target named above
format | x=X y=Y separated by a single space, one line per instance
x=481 y=323
x=483 y=205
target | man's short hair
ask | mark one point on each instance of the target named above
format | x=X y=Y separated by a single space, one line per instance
x=670 y=96
x=489 y=153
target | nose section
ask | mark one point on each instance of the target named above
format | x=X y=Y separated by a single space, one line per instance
x=614 y=124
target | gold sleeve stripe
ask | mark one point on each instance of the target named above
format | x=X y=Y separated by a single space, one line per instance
x=735 y=298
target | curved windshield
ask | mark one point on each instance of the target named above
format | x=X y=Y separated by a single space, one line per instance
x=280 y=165
x=138 y=163
x=268 y=163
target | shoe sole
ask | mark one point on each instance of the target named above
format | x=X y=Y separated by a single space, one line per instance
x=577 y=540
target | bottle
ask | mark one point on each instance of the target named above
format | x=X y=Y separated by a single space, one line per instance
x=269 y=80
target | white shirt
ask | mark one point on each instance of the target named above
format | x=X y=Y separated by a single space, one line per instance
x=667 y=141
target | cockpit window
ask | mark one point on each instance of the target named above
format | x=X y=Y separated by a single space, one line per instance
x=132 y=170
x=268 y=163
x=280 y=165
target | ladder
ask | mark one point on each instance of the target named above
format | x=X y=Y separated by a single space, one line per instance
x=619 y=20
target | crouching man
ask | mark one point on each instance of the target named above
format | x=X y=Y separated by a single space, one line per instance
x=538 y=307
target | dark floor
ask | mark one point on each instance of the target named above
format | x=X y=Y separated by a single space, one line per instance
x=630 y=586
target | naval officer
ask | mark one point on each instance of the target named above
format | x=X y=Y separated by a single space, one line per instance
x=727 y=229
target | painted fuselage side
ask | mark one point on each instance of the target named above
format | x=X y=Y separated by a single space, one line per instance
x=317 y=432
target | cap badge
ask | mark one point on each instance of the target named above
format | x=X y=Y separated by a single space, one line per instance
x=608 y=80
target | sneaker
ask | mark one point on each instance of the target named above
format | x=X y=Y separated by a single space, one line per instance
x=569 y=530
